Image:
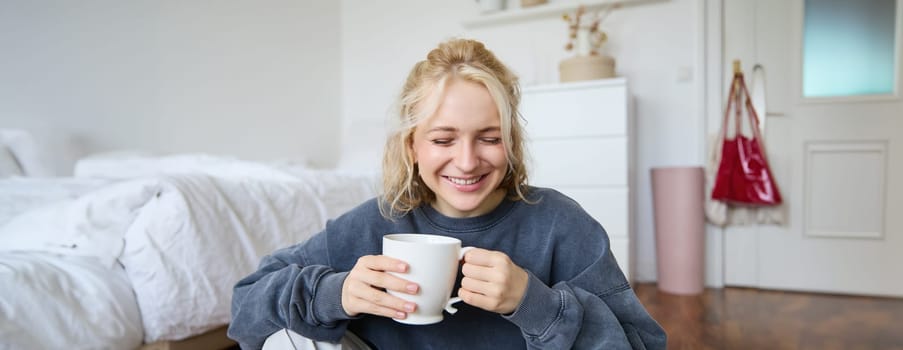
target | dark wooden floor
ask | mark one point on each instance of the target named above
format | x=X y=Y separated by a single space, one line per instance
x=740 y=318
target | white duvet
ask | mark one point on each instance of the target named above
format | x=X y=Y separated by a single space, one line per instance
x=51 y=301
x=180 y=240
x=21 y=194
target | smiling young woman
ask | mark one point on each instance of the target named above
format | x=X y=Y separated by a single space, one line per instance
x=540 y=273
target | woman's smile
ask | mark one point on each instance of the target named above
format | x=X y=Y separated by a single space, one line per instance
x=466 y=184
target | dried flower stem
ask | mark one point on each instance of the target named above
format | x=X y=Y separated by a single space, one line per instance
x=597 y=37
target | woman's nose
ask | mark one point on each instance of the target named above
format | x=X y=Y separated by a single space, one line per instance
x=467 y=159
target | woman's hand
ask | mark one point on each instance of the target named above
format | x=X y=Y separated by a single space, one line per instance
x=492 y=281
x=364 y=290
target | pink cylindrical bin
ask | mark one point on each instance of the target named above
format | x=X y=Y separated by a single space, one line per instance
x=678 y=202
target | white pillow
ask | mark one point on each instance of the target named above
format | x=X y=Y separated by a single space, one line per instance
x=31 y=159
x=9 y=166
x=131 y=165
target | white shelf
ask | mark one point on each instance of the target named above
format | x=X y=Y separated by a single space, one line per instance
x=576 y=85
x=551 y=9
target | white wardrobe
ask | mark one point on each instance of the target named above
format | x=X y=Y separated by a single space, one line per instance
x=580 y=138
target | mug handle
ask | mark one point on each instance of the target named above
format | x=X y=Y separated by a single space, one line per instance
x=449 y=305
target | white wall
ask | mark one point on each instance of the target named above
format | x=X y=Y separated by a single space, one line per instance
x=658 y=47
x=251 y=79
x=381 y=41
x=289 y=79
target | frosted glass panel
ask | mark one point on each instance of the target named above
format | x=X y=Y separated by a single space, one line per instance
x=848 y=47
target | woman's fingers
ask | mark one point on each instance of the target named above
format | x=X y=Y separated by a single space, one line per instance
x=482 y=287
x=479 y=300
x=382 y=263
x=375 y=274
x=364 y=289
x=366 y=299
x=482 y=273
x=492 y=281
x=483 y=257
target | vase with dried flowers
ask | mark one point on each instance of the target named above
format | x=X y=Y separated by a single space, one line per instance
x=585 y=38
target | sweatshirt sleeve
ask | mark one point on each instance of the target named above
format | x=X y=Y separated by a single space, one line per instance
x=567 y=315
x=293 y=288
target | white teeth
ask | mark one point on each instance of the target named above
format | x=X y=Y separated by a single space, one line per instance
x=470 y=181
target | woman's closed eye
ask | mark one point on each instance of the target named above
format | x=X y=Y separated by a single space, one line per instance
x=486 y=140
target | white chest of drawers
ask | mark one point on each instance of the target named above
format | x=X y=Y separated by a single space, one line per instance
x=580 y=137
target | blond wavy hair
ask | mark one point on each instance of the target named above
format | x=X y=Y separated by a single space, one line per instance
x=456 y=59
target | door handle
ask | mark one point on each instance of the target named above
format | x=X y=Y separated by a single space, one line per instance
x=758 y=87
x=758 y=94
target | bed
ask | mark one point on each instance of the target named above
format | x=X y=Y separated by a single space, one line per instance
x=142 y=252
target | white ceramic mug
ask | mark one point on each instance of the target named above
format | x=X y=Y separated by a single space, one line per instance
x=433 y=262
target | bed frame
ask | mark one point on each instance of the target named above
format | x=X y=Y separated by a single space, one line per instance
x=211 y=340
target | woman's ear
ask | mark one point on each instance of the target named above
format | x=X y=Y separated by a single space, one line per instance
x=409 y=145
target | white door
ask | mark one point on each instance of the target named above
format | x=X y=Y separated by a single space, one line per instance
x=837 y=156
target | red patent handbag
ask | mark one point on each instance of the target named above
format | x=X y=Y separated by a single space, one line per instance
x=743 y=177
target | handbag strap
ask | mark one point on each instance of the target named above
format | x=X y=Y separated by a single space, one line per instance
x=735 y=103
x=738 y=98
x=738 y=104
x=722 y=134
x=753 y=120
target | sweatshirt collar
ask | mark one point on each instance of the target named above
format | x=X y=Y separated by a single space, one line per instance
x=465 y=225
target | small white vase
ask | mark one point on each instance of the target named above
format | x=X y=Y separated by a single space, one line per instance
x=489 y=6
x=583 y=45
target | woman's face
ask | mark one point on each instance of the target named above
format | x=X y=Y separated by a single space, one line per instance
x=459 y=151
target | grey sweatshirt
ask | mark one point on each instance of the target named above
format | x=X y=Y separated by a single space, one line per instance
x=577 y=296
